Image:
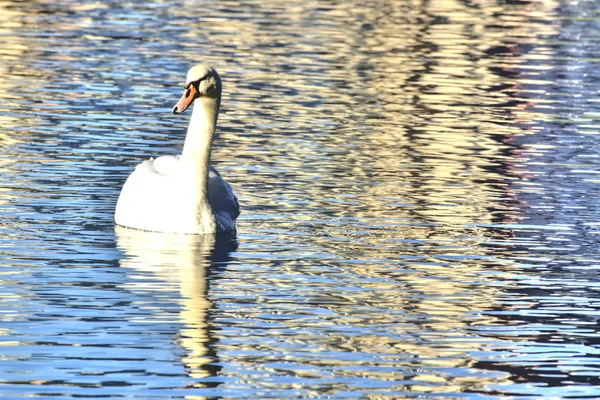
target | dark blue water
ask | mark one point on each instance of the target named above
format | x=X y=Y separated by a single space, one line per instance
x=420 y=197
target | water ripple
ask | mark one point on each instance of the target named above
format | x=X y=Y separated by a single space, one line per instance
x=418 y=186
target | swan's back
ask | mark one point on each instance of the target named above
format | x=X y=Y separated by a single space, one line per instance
x=153 y=199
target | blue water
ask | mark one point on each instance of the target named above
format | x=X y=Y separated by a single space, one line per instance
x=419 y=185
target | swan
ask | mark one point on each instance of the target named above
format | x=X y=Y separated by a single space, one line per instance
x=184 y=193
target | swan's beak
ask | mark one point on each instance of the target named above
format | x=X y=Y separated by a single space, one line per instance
x=188 y=97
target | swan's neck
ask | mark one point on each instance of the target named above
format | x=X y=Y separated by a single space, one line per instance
x=195 y=160
x=198 y=142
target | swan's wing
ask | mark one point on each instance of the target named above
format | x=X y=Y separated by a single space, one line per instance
x=221 y=197
x=164 y=165
x=147 y=189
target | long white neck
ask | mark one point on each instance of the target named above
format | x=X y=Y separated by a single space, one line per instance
x=195 y=159
x=198 y=142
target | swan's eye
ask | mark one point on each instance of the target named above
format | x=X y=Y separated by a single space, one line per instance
x=188 y=93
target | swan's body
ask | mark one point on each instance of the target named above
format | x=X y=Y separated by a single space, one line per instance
x=183 y=194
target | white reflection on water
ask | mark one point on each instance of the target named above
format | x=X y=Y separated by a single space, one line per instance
x=168 y=262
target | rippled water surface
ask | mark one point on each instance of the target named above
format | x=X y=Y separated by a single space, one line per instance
x=419 y=184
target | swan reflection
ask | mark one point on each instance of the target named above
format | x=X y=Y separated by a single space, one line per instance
x=179 y=267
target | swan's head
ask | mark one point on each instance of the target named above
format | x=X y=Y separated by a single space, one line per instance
x=201 y=81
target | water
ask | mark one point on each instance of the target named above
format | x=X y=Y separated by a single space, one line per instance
x=419 y=190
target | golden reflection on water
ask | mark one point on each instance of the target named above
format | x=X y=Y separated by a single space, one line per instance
x=434 y=121
x=435 y=149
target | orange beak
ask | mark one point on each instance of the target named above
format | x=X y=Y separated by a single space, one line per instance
x=188 y=97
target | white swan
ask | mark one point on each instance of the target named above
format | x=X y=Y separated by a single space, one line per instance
x=183 y=194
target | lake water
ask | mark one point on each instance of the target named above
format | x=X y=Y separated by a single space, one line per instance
x=419 y=184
